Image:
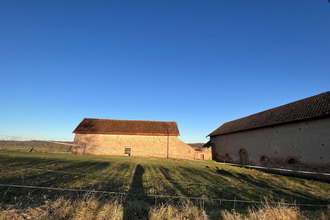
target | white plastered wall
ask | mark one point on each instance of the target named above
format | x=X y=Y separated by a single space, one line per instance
x=307 y=141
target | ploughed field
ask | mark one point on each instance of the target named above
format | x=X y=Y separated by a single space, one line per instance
x=29 y=180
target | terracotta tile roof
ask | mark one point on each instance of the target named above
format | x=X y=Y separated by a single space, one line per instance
x=128 y=127
x=308 y=108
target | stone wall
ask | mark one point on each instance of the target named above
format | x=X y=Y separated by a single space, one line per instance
x=207 y=153
x=299 y=146
x=141 y=145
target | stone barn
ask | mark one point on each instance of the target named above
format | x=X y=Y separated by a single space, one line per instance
x=133 y=138
x=294 y=136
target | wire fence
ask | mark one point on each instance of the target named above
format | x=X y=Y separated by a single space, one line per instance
x=157 y=196
x=14 y=143
x=121 y=194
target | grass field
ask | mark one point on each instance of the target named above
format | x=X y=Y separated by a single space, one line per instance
x=35 y=146
x=207 y=185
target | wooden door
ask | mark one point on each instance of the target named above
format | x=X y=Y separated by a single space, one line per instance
x=244 y=157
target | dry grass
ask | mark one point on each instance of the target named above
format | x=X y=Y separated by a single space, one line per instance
x=91 y=208
x=268 y=212
x=185 y=211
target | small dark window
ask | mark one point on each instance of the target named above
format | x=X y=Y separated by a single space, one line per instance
x=264 y=159
x=293 y=161
x=127 y=150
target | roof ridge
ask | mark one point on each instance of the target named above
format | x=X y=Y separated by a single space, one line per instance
x=281 y=106
x=307 y=108
x=119 y=126
x=126 y=120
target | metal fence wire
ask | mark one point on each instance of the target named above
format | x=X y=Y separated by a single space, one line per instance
x=16 y=143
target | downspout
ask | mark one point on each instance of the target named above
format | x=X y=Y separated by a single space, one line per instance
x=168 y=143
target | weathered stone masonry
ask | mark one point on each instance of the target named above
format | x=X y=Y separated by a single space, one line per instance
x=133 y=138
x=141 y=145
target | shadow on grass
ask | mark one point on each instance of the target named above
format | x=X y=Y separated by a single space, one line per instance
x=127 y=177
x=57 y=173
x=230 y=185
x=136 y=205
x=224 y=173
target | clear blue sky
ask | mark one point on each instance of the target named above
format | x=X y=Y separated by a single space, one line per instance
x=200 y=63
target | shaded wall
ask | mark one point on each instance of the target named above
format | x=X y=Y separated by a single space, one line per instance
x=300 y=146
x=141 y=145
x=205 y=151
x=208 y=153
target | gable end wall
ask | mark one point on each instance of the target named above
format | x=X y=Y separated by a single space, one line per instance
x=141 y=145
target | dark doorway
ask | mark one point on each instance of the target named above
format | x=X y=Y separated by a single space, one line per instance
x=244 y=157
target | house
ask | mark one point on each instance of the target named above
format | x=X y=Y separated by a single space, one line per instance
x=294 y=136
x=132 y=138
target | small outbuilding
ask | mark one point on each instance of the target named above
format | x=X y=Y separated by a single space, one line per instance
x=133 y=138
x=294 y=136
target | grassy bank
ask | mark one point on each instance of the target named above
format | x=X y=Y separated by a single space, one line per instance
x=206 y=185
